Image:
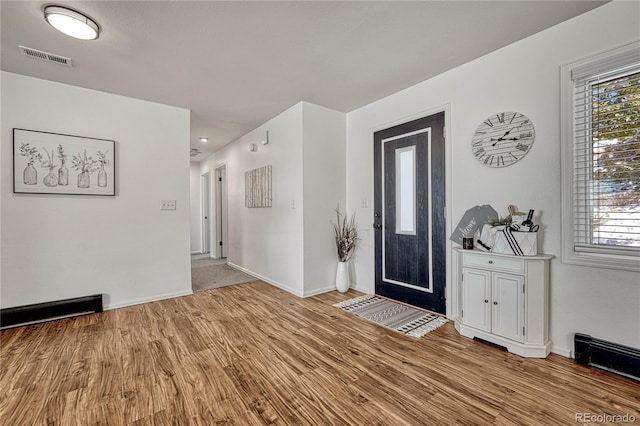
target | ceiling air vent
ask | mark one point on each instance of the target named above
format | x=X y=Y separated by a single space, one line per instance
x=195 y=152
x=45 y=56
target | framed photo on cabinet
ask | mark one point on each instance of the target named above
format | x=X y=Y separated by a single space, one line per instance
x=53 y=163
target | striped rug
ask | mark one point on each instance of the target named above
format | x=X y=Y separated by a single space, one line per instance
x=398 y=317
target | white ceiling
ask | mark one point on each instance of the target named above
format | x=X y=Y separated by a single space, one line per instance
x=238 y=64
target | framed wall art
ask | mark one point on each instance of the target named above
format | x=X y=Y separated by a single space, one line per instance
x=53 y=163
x=257 y=188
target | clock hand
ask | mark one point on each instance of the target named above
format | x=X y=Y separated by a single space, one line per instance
x=502 y=138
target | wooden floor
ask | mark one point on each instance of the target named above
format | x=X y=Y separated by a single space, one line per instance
x=252 y=354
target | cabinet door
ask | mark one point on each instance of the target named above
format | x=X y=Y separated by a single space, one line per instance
x=507 y=299
x=476 y=309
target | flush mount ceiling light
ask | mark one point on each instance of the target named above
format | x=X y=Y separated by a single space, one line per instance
x=72 y=23
x=203 y=139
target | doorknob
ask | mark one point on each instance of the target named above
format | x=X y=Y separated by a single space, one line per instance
x=377 y=226
x=376 y=214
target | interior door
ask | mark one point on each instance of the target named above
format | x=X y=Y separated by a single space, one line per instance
x=222 y=216
x=206 y=221
x=409 y=223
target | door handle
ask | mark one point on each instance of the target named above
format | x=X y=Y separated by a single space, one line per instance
x=376 y=214
x=377 y=226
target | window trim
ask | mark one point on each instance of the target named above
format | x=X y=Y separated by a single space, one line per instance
x=603 y=257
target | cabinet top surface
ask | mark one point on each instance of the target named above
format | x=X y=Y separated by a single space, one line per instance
x=510 y=256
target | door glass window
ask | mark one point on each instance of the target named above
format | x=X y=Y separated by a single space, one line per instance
x=406 y=190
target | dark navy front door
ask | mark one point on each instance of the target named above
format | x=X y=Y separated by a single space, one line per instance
x=409 y=223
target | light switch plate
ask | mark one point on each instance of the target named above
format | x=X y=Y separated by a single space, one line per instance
x=168 y=205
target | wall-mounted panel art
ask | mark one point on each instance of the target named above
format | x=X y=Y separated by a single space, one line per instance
x=257 y=187
x=52 y=163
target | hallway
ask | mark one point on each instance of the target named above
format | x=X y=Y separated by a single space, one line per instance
x=208 y=273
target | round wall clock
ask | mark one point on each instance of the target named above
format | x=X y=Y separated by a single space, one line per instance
x=503 y=139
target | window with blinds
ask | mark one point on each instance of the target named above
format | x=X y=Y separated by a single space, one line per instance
x=604 y=193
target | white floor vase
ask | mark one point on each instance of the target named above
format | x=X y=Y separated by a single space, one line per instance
x=342 y=277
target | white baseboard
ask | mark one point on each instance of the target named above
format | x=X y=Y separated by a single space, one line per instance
x=567 y=353
x=319 y=291
x=154 y=298
x=362 y=290
x=267 y=280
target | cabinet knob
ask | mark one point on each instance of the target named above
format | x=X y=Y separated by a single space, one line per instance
x=495 y=303
x=486 y=301
x=491 y=262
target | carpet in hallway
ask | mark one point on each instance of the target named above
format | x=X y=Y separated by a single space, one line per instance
x=214 y=273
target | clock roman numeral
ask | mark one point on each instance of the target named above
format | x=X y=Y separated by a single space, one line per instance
x=513 y=117
x=500 y=118
x=522 y=147
x=479 y=151
x=488 y=123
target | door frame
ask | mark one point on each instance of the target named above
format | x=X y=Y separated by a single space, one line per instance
x=452 y=288
x=205 y=211
x=221 y=191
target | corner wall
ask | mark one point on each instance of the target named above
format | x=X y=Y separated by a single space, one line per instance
x=59 y=246
x=266 y=242
x=524 y=77
x=324 y=189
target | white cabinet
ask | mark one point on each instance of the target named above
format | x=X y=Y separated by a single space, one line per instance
x=504 y=300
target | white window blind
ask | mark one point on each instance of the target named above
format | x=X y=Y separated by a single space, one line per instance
x=606 y=156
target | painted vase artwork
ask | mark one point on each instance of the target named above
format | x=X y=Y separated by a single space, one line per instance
x=72 y=165
x=50 y=179
x=85 y=164
x=63 y=171
x=30 y=174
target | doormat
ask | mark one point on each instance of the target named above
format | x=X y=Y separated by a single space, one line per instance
x=402 y=318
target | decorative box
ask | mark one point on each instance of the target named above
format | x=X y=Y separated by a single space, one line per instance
x=517 y=243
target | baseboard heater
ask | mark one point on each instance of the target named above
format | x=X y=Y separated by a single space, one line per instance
x=608 y=356
x=39 y=312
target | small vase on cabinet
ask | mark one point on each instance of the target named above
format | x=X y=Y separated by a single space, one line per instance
x=342 y=277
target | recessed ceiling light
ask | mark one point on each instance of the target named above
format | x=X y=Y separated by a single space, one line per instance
x=71 y=23
x=203 y=139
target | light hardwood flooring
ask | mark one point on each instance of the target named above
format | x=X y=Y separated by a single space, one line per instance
x=253 y=354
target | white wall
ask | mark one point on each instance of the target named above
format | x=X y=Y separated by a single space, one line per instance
x=324 y=189
x=521 y=77
x=57 y=246
x=195 y=208
x=267 y=242
x=289 y=245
